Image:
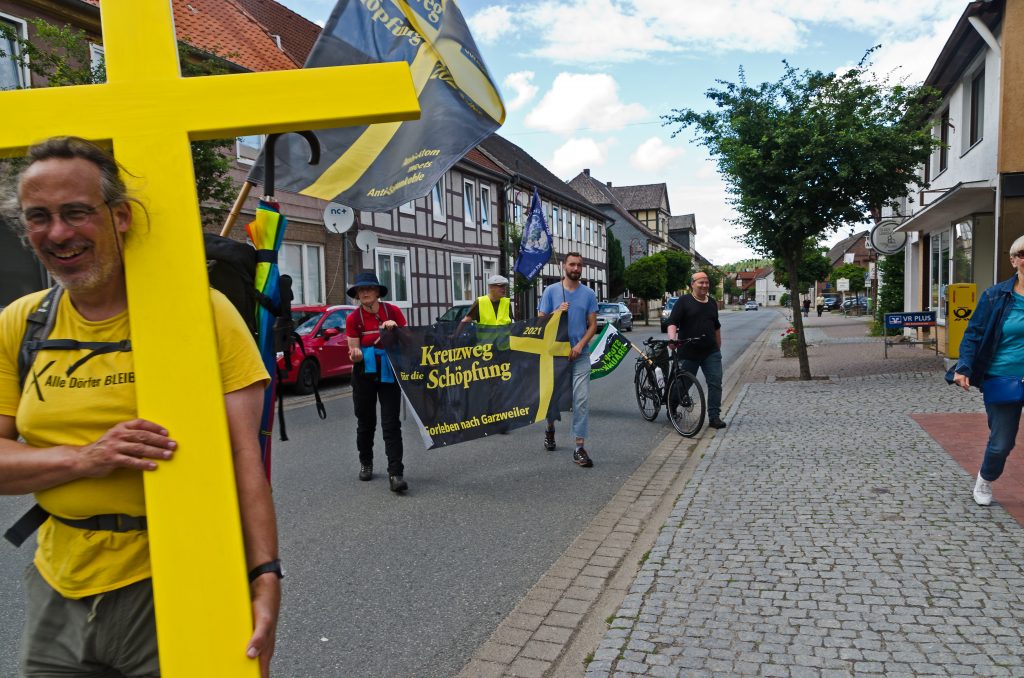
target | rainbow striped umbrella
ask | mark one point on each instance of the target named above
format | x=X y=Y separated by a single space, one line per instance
x=267 y=233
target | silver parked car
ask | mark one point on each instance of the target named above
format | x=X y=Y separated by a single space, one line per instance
x=615 y=313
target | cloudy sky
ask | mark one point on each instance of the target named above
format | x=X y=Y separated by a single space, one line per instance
x=586 y=82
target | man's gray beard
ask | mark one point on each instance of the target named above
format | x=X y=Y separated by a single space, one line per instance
x=575 y=277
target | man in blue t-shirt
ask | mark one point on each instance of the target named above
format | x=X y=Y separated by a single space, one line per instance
x=580 y=303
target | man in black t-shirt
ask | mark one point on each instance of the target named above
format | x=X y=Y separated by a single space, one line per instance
x=695 y=315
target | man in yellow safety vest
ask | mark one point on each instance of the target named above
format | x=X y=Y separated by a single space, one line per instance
x=492 y=309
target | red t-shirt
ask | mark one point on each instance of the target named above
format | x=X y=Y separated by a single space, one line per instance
x=365 y=326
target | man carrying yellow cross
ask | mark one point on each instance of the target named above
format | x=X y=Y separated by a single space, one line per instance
x=71 y=396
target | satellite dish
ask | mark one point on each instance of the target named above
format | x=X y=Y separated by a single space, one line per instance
x=338 y=218
x=366 y=241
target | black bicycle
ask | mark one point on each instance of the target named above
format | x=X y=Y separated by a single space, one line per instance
x=678 y=390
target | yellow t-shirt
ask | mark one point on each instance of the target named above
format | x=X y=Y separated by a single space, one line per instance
x=59 y=409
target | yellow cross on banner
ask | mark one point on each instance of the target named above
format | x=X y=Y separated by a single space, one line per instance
x=150 y=113
x=547 y=347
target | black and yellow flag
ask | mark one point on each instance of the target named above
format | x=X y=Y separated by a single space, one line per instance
x=483 y=381
x=379 y=167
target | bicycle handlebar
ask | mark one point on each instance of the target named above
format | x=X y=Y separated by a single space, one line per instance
x=673 y=343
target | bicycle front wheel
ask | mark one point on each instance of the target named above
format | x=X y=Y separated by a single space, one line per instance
x=647 y=396
x=685 y=406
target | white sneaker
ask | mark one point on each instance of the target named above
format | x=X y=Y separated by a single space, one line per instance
x=982 y=492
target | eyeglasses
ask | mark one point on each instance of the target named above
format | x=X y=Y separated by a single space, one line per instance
x=1017 y=255
x=74 y=215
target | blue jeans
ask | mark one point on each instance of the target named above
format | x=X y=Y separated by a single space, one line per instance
x=580 y=396
x=711 y=366
x=1003 y=422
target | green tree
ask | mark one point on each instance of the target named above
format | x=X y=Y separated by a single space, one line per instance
x=853 y=272
x=714 y=277
x=890 y=295
x=60 y=55
x=616 y=267
x=813 y=267
x=677 y=270
x=646 y=278
x=812 y=151
x=730 y=288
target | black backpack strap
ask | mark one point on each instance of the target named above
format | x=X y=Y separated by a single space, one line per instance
x=38 y=326
x=26 y=525
x=107 y=522
x=95 y=347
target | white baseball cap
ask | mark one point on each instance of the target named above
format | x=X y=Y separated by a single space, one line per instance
x=497 y=280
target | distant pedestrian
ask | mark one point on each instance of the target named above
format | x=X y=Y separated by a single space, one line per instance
x=695 y=316
x=580 y=303
x=992 y=356
x=807 y=308
x=372 y=377
x=819 y=305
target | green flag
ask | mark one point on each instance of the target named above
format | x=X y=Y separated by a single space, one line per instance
x=607 y=350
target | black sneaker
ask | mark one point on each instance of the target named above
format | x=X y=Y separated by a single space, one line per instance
x=549 y=441
x=581 y=458
x=398 y=484
x=717 y=423
x=365 y=472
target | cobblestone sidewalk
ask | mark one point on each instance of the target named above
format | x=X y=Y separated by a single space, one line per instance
x=826 y=534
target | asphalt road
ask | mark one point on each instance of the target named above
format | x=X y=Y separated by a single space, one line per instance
x=386 y=585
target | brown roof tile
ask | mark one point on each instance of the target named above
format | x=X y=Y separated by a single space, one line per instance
x=224 y=28
x=298 y=34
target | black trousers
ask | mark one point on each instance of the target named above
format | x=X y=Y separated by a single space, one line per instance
x=367 y=390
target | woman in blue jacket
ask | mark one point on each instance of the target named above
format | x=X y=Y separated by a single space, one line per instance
x=993 y=346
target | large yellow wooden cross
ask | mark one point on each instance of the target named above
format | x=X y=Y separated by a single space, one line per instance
x=150 y=113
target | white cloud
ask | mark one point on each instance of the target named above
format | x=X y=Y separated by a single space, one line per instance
x=653 y=155
x=521 y=84
x=574 y=155
x=583 y=101
x=593 y=31
x=491 y=23
x=913 y=58
x=617 y=31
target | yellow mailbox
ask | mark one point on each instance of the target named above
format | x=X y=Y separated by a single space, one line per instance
x=961 y=298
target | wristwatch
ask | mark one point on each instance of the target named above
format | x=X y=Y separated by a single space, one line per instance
x=272 y=566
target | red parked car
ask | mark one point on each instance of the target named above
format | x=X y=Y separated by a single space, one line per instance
x=321 y=330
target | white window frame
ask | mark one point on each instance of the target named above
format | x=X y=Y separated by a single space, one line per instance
x=393 y=254
x=97 y=57
x=22 y=28
x=306 y=297
x=488 y=267
x=554 y=220
x=463 y=262
x=974 y=91
x=408 y=207
x=485 y=207
x=248 y=158
x=438 y=200
x=468 y=203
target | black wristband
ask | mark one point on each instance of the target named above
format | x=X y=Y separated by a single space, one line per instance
x=272 y=566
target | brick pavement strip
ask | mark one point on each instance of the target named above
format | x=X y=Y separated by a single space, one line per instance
x=528 y=641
